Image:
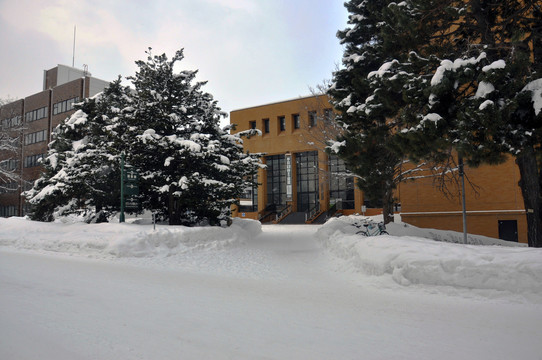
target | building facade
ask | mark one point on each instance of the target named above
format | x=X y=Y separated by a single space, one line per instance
x=301 y=181
x=32 y=120
x=494 y=203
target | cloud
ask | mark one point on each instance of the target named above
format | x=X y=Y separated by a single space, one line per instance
x=250 y=51
x=245 y=5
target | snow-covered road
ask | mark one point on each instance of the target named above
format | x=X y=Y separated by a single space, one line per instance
x=280 y=296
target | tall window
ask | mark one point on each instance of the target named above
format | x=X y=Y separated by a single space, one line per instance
x=312 y=118
x=249 y=199
x=328 y=114
x=307 y=180
x=282 y=123
x=9 y=210
x=341 y=187
x=295 y=121
x=276 y=179
x=252 y=124
x=266 y=126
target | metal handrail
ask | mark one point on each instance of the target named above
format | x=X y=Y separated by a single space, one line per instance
x=315 y=209
x=283 y=212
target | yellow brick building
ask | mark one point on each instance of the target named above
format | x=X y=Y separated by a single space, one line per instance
x=299 y=184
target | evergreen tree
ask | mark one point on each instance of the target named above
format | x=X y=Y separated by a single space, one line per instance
x=191 y=170
x=474 y=89
x=82 y=166
x=369 y=98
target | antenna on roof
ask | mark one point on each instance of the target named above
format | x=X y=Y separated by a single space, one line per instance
x=73 y=53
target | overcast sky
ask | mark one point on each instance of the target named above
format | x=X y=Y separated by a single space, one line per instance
x=251 y=52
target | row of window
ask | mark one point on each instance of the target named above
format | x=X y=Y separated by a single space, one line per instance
x=33 y=160
x=65 y=105
x=9 y=210
x=36 y=114
x=11 y=122
x=8 y=187
x=9 y=165
x=29 y=161
x=35 y=137
x=296 y=123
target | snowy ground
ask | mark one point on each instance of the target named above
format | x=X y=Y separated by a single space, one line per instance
x=124 y=291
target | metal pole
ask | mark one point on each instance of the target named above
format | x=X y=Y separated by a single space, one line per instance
x=121 y=218
x=463 y=201
x=73 y=53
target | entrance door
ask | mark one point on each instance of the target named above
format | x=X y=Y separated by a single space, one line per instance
x=508 y=230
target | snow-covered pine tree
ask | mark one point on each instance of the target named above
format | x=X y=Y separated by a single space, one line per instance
x=82 y=166
x=191 y=170
x=475 y=88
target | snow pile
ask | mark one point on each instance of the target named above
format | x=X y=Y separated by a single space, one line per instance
x=412 y=260
x=121 y=240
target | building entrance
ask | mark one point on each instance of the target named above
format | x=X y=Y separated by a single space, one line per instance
x=307 y=180
x=276 y=180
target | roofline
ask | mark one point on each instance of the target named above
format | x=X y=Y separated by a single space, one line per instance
x=279 y=102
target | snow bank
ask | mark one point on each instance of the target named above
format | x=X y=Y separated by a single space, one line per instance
x=412 y=260
x=121 y=240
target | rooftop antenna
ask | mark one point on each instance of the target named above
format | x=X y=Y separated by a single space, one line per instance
x=73 y=53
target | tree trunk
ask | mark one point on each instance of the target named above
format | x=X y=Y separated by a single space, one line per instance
x=173 y=209
x=387 y=206
x=530 y=185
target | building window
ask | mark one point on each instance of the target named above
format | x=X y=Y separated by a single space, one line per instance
x=33 y=160
x=282 y=123
x=266 y=126
x=508 y=230
x=341 y=186
x=328 y=114
x=312 y=118
x=35 y=137
x=249 y=199
x=9 y=210
x=11 y=122
x=307 y=180
x=295 y=121
x=252 y=124
x=8 y=187
x=64 y=106
x=36 y=114
x=276 y=180
x=9 y=165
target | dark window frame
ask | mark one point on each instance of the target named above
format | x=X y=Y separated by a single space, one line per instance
x=282 y=123
x=296 y=121
x=313 y=118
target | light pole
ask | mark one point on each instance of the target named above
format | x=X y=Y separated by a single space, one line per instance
x=121 y=218
x=463 y=201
